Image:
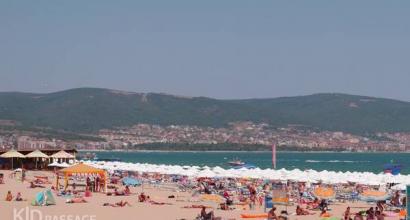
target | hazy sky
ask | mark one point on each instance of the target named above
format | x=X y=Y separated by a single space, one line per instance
x=221 y=49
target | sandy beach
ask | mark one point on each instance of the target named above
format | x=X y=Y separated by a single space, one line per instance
x=94 y=208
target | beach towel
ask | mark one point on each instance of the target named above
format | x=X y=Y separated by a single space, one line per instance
x=43 y=198
x=262 y=215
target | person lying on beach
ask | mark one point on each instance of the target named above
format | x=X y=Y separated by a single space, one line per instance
x=119 y=192
x=272 y=214
x=196 y=207
x=160 y=203
x=125 y=192
x=34 y=185
x=9 y=196
x=300 y=211
x=76 y=200
x=118 y=204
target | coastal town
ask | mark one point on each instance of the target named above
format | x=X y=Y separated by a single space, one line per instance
x=241 y=133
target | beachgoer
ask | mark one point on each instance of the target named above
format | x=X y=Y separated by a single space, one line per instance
x=272 y=214
x=358 y=216
x=370 y=215
x=118 y=193
x=300 y=211
x=346 y=214
x=205 y=215
x=380 y=206
x=33 y=185
x=9 y=196
x=142 y=197
x=118 y=204
x=76 y=200
x=379 y=215
x=283 y=215
x=396 y=199
x=18 y=197
x=127 y=190
x=323 y=205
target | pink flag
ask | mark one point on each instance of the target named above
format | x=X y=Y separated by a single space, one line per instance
x=274 y=156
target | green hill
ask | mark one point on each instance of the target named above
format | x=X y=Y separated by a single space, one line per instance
x=89 y=109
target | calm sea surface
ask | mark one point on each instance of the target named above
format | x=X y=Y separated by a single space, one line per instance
x=372 y=162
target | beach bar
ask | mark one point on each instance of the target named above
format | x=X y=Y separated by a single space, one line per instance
x=32 y=159
x=82 y=170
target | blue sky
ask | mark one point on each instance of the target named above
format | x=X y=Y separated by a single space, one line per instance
x=221 y=49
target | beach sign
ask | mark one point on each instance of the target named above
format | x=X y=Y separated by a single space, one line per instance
x=407 y=204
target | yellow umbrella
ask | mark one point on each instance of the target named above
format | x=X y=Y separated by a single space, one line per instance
x=37 y=154
x=324 y=193
x=12 y=154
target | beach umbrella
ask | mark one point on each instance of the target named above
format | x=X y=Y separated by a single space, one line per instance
x=64 y=165
x=324 y=193
x=54 y=164
x=62 y=155
x=37 y=154
x=400 y=186
x=12 y=154
x=373 y=196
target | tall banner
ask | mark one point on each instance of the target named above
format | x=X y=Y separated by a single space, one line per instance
x=274 y=156
x=407 y=203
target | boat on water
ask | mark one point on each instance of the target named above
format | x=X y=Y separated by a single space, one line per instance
x=236 y=162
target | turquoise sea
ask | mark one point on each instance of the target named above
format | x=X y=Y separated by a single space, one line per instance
x=372 y=162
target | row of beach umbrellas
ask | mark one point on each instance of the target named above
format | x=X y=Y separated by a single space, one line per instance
x=35 y=154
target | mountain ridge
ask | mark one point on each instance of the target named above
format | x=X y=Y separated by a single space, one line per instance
x=91 y=109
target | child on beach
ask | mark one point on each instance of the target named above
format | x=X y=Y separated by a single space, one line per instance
x=9 y=196
x=18 y=197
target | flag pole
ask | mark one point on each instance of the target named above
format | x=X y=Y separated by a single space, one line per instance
x=274 y=156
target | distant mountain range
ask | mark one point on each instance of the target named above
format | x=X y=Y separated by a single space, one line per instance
x=91 y=109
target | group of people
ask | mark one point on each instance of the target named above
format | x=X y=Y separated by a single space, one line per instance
x=9 y=197
x=94 y=183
